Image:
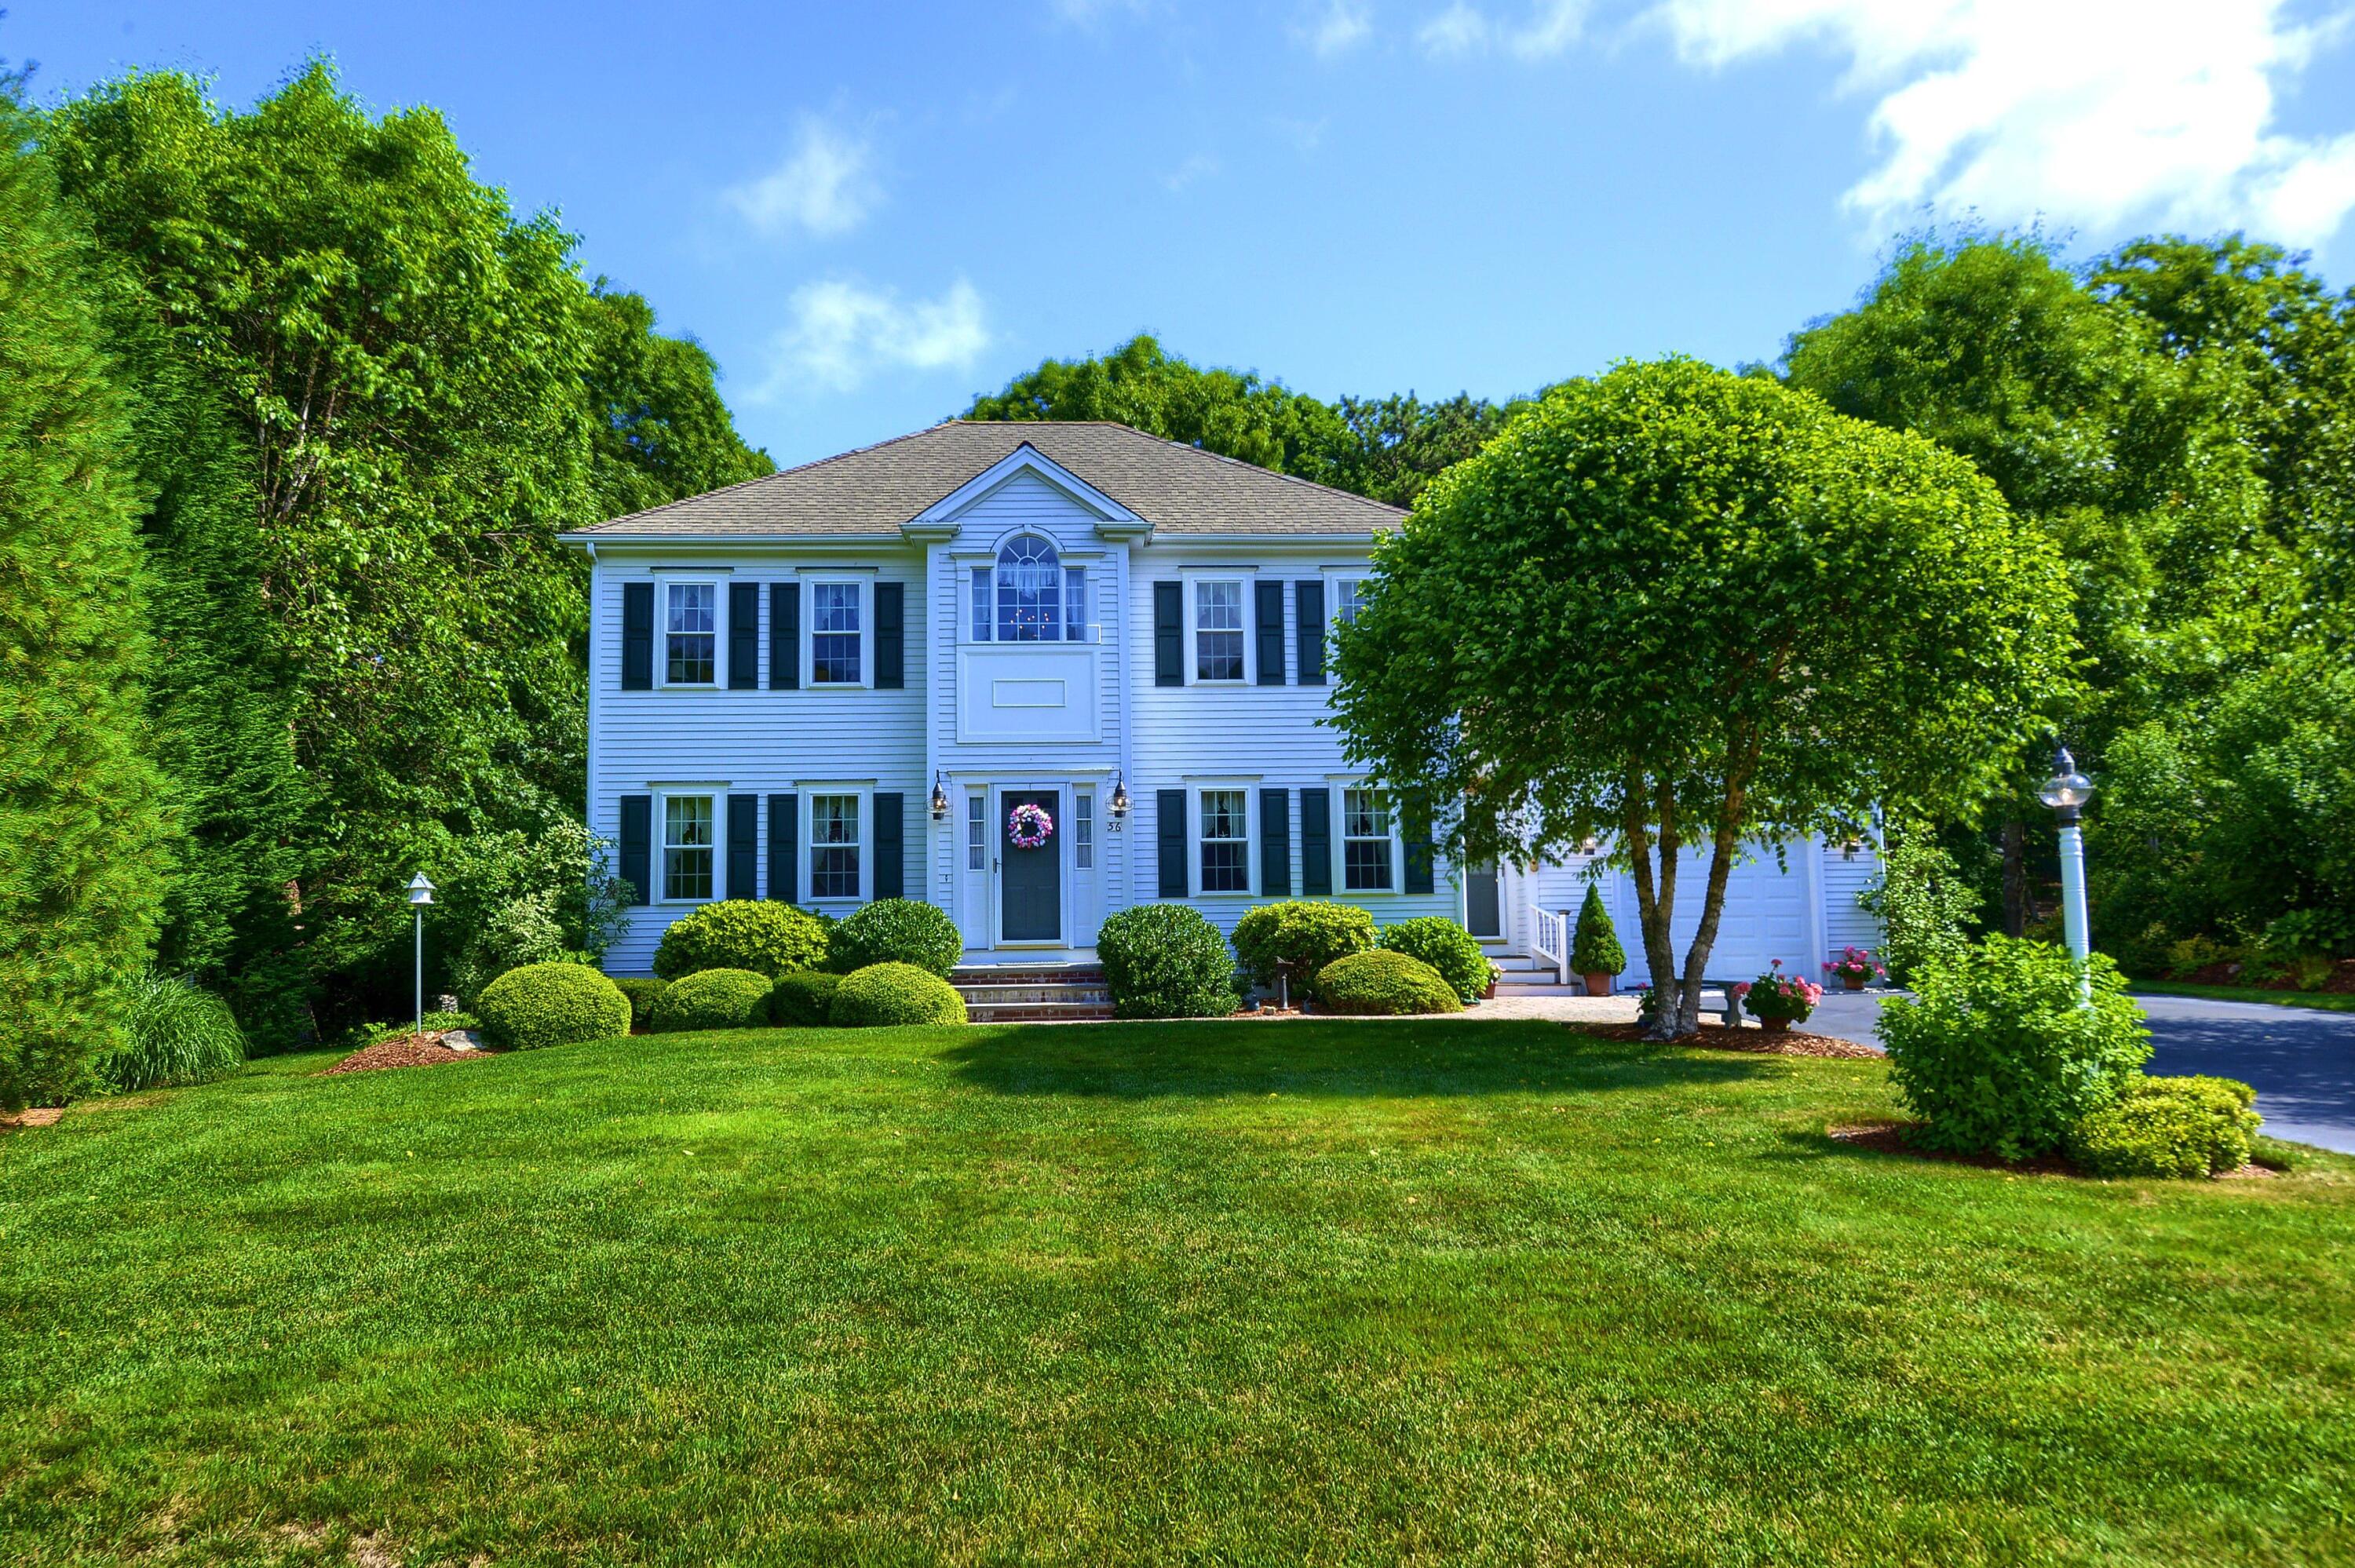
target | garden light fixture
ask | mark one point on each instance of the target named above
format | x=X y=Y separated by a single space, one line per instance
x=421 y=893
x=2066 y=792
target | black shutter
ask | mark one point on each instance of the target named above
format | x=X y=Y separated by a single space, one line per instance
x=784 y=637
x=1316 y=842
x=637 y=637
x=1267 y=621
x=1308 y=605
x=890 y=850
x=743 y=639
x=890 y=638
x=1168 y=634
x=785 y=837
x=1171 y=828
x=1418 y=841
x=743 y=846
x=1276 y=842
x=637 y=831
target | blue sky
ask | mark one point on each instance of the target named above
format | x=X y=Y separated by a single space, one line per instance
x=871 y=215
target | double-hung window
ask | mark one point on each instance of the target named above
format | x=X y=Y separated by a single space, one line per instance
x=690 y=634
x=1030 y=596
x=835 y=631
x=1347 y=595
x=1365 y=841
x=1218 y=631
x=834 y=846
x=687 y=848
x=1225 y=841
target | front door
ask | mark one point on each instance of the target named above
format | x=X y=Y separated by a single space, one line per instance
x=1483 y=903
x=1030 y=881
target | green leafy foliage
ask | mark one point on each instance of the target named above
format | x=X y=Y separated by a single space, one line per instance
x=894 y=993
x=761 y=935
x=1923 y=901
x=711 y=998
x=2186 y=1126
x=1166 y=960
x=173 y=1032
x=1383 y=984
x=2000 y=1050
x=1299 y=938
x=1453 y=952
x=804 y=998
x=82 y=830
x=540 y=1005
x=642 y=991
x=1595 y=947
x=896 y=930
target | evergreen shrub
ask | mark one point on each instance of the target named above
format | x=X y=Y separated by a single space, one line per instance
x=761 y=935
x=550 y=1004
x=804 y=998
x=1299 y=936
x=711 y=998
x=1165 y=960
x=884 y=994
x=642 y=991
x=897 y=931
x=1595 y=947
x=2168 y=1127
x=1447 y=948
x=1383 y=984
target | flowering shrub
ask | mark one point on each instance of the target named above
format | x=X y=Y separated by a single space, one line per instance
x=1855 y=964
x=1777 y=995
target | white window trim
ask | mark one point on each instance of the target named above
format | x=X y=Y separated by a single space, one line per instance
x=664 y=583
x=812 y=581
x=806 y=856
x=659 y=872
x=1189 y=578
x=1335 y=576
x=1091 y=563
x=1337 y=815
x=1255 y=876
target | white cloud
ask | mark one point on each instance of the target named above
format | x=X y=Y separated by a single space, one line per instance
x=1341 y=27
x=1549 y=28
x=1200 y=166
x=826 y=185
x=844 y=332
x=2094 y=111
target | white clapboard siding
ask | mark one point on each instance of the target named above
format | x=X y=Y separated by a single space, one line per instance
x=1845 y=922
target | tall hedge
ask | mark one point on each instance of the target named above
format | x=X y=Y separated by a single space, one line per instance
x=82 y=830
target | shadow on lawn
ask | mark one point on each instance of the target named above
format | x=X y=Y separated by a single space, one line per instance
x=1352 y=1058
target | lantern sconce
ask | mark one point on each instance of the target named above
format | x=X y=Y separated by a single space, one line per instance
x=1118 y=806
x=939 y=799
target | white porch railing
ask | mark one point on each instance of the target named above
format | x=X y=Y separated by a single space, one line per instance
x=1550 y=939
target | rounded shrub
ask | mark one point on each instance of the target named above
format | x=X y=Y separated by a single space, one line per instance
x=2000 y=1053
x=2168 y=1127
x=895 y=993
x=642 y=991
x=1165 y=960
x=756 y=934
x=711 y=998
x=550 y=1004
x=1383 y=984
x=897 y=931
x=1300 y=937
x=173 y=1032
x=804 y=998
x=1447 y=948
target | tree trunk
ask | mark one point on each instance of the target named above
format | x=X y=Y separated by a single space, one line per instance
x=2015 y=877
x=1656 y=903
x=1712 y=906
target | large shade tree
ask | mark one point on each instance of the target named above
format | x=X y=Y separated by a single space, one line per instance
x=1689 y=612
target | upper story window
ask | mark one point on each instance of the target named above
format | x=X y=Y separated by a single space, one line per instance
x=834 y=633
x=1030 y=596
x=1347 y=594
x=690 y=634
x=1218 y=631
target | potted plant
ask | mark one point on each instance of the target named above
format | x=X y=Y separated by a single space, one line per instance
x=1595 y=949
x=1777 y=1000
x=1855 y=968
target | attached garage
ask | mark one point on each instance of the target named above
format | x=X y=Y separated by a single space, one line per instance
x=1770 y=913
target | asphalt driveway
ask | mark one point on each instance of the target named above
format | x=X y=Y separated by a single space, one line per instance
x=2301 y=1061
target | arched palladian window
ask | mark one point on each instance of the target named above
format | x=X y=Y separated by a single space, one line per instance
x=1030 y=596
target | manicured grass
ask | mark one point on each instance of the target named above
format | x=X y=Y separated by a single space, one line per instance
x=1279 y=1293
x=2330 y=1002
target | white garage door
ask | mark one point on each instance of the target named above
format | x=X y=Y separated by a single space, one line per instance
x=1766 y=918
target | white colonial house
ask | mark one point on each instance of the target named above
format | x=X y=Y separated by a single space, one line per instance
x=836 y=684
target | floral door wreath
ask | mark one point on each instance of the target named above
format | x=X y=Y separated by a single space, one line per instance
x=1030 y=826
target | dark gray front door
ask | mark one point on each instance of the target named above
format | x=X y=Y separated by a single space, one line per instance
x=1030 y=881
x=1483 y=907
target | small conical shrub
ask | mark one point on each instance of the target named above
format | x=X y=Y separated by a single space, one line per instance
x=1595 y=949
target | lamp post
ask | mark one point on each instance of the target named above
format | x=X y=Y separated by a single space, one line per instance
x=421 y=893
x=2066 y=792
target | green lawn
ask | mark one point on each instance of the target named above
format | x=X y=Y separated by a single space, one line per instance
x=1281 y=1293
x=2330 y=1002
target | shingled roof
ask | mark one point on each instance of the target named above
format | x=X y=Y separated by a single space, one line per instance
x=875 y=490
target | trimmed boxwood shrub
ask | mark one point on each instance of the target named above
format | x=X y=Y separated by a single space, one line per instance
x=642 y=991
x=1383 y=984
x=756 y=934
x=804 y=998
x=550 y=1004
x=1999 y=1054
x=2168 y=1127
x=711 y=998
x=897 y=931
x=895 y=993
x=1447 y=948
x=173 y=1032
x=1165 y=960
x=1303 y=933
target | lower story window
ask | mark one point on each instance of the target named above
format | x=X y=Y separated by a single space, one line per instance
x=1083 y=832
x=834 y=846
x=976 y=833
x=686 y=847
x=1226 y=851
x=1365 y=841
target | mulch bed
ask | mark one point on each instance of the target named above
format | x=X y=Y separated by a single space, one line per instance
x=1889 y=1137
x=403 y=1050
x=1758 y=1042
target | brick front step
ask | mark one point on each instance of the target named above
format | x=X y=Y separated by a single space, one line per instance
x=1038 y=1012
x=996 y=995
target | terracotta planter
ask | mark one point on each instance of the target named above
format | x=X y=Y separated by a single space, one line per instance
x=1853 y=982
x=1598 y=985
x=1488 y=992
